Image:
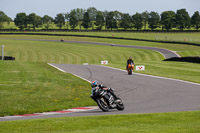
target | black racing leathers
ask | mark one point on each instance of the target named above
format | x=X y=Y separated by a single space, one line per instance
x=98 y=90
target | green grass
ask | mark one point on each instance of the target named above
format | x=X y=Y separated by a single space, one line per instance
x=180 y=122
x=193 y=37
x=182 y=50
x=27 y=87
x=190 y=37
x=176 y=70
x=72 y=53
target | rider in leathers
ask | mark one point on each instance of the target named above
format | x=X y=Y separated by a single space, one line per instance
x=96 y=86
x=129 y=61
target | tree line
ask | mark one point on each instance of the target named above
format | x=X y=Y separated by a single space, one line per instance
x=95 y=19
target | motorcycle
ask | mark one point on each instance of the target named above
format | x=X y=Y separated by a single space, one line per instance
x=105 y=104
x=130 y=68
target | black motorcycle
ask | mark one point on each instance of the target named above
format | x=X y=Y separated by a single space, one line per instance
x=106 y=99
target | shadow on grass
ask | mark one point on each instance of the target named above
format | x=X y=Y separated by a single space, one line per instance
x=184 y=59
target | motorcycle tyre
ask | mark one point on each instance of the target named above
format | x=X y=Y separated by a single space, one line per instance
x=130 y=72
x=104 y=108
x=120 y=106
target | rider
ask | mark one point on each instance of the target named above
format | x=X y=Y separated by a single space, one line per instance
x=129 y=61
x=95 y=85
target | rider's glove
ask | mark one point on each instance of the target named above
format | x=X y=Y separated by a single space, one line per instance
x=110 y=89
x=101 y=86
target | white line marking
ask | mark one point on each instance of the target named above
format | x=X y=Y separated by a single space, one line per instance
x=65 y=72
x=82 y=78
x=56 y=67
x=153 y=76
x=134 y=73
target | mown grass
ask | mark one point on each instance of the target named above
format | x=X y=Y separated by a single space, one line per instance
x=182 y=50
x=72 y=53
x=191 y=37
x=27 y=87
x=176 y=70
x=180 y=122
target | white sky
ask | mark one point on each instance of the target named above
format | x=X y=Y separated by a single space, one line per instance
x=53 y=7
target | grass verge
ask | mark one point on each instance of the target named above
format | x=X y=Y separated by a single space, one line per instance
x=37 y=87
x=179 y=122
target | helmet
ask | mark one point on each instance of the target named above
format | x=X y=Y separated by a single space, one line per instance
x=94 y=83
x=130 y=57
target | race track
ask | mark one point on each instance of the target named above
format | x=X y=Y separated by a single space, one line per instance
x=140 y=93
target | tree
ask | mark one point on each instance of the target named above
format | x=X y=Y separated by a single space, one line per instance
x=100 y=21
x=145 y=18
x=73 y=19
x=92 y=14
x=154 y=20
x=195 y=20
x=126 y=21
x=3 y=18
x=59 y=20
x=110 y=21
x=117 y=17
x=168 y=19
x=86 y=21
x=47 y=21
x=137 y=21
x=67 y=17
x=21 y=20
x=38 y=21
x=34 y=20
x=182 y=19
x=79 y=15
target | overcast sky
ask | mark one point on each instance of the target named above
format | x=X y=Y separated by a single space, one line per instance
x=53 y=7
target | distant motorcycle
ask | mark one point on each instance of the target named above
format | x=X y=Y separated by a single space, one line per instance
x=130 y=68
x=103 y=103
x=62 y=40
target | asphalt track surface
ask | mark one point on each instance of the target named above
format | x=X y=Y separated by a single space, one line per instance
x=140 y=93
x=166 y=53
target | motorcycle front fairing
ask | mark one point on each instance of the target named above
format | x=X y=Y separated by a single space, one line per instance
x=99 y=93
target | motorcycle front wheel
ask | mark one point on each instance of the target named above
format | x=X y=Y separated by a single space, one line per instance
x=120 y=105
x=102 y=104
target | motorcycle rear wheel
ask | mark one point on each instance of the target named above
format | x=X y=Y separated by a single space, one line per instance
x=130 y=71
x=102 y=104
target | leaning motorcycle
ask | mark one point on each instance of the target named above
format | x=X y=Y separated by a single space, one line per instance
x=105 y=104
x=130 y=68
